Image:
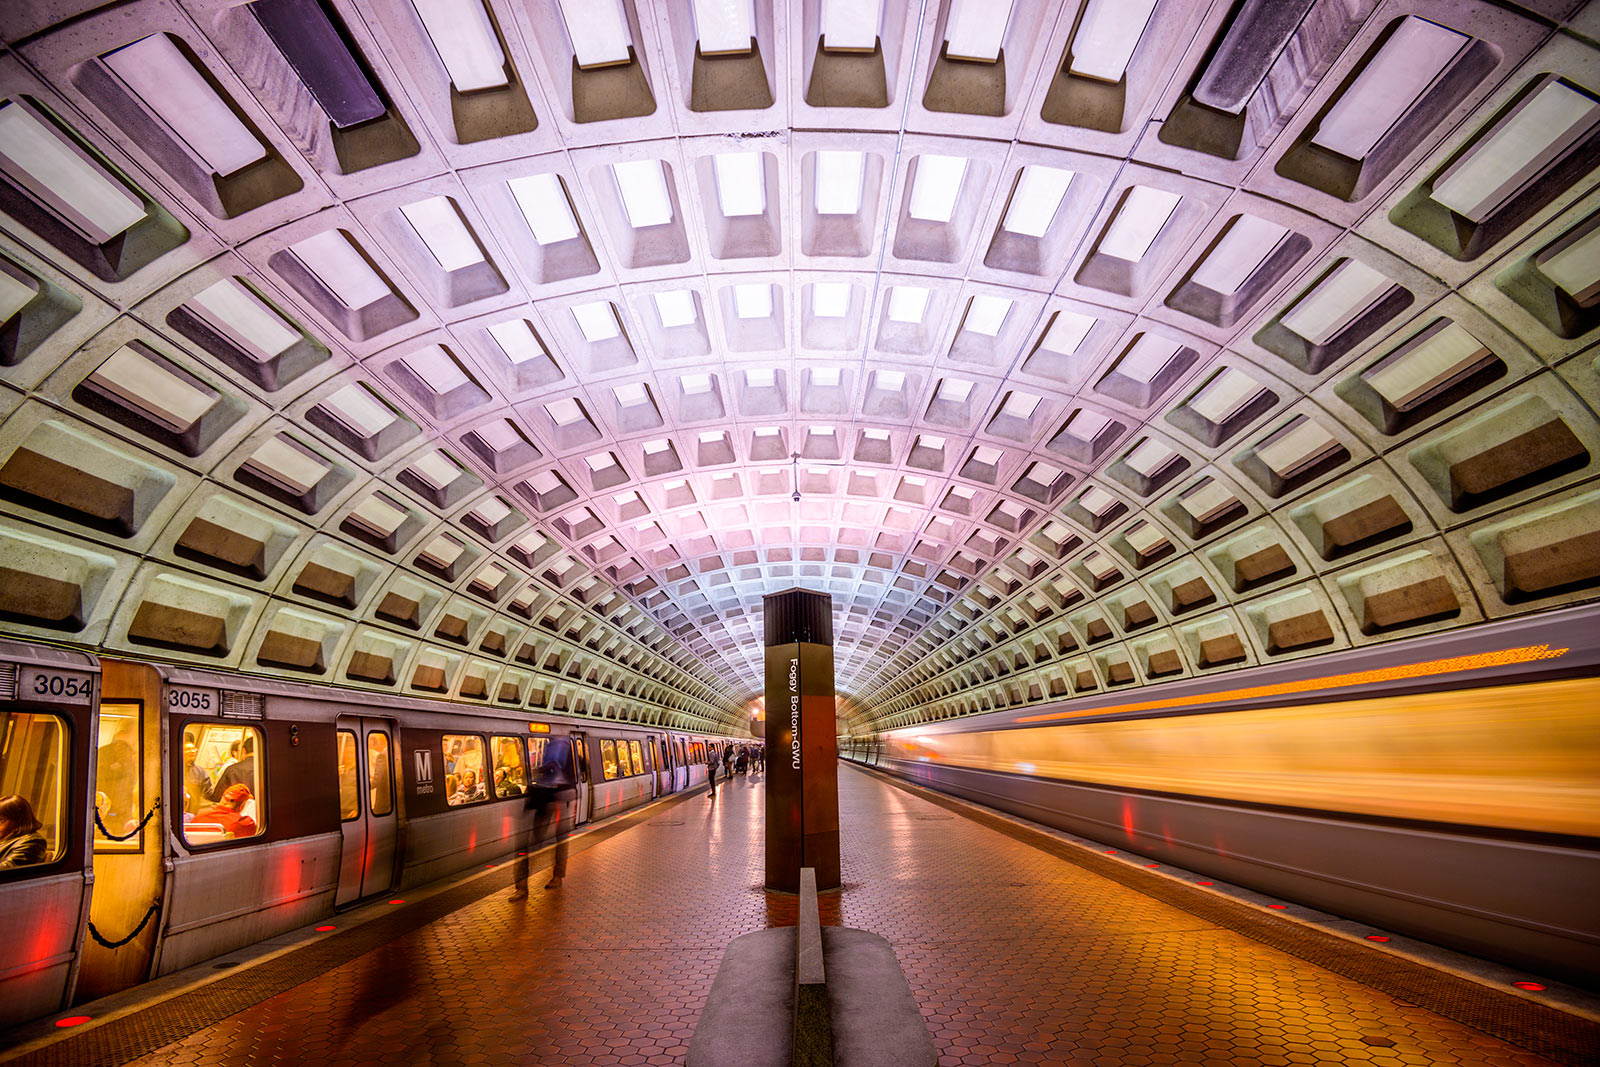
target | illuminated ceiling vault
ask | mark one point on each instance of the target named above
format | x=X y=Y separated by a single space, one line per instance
x=461 y=347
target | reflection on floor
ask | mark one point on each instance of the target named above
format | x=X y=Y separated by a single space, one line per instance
x=1015 y=956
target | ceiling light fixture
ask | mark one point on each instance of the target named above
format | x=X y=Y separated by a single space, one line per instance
x=1107 y=34
x=466 y=42
x=166 y=82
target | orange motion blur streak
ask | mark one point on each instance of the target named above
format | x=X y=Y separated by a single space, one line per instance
x=1477 y=662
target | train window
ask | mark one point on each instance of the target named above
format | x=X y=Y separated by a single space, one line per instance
x=223 y=798
x=380 y=788
x=33 y=789
x=638 y=757
x=510 y=778
x=608 y=759
x=463 y=769
x=624 y=760
x=349 y=777
x=536 y=750
x=119 y=779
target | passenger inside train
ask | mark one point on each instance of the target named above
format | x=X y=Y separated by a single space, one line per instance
x=349 y=785
x=118 y=774
x=32 y=769
x=509 y=777
x=226 y=815
x=240 y=770
x=195 y=780
x=468 y=788
x=226 y=761
x=463 y=763
x=21 y=843
x=379 y=793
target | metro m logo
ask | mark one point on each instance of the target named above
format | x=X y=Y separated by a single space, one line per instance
x=424 y=762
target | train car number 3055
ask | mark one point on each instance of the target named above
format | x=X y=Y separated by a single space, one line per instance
x=188 y=698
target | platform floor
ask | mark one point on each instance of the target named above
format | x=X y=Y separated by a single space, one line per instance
x=1017 y=953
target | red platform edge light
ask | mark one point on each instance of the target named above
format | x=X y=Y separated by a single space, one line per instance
x=397 y=901
x=1152 y=865
x=79 y=1020
x=1376 y=937
x=1277 y=907
x=1532 y=987
x=1205 y=883
x=1111 y=852
x=324 y=929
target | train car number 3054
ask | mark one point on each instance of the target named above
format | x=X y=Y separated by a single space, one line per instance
x=68 y=687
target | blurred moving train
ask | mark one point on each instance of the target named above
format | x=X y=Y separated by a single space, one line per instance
x=1446 y=788
x=188 y=813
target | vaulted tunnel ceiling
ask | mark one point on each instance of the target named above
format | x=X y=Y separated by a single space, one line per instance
x=459 y=347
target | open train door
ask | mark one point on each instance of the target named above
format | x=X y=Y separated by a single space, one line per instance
x=367 y=817
x=130 y=835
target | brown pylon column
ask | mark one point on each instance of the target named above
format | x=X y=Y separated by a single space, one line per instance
x=802 y=763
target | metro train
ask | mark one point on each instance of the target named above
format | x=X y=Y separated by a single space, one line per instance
x=1446 y=788
x=188 y=813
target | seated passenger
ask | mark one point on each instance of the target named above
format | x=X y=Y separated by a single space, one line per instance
x=21 y=843
x=469 y=790
x=226 y=813
x=505 y=785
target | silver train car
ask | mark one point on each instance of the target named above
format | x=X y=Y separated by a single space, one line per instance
x=187 y=813
x=1446 y=788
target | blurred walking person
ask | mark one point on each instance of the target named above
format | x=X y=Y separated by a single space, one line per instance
x=711 y=771
x=551 y=788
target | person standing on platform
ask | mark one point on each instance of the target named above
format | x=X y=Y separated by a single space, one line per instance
x=742 y=764
x=711 y=771
x=547 y=794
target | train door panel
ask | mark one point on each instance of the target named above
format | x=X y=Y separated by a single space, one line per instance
x=367 y=817
x=128 y=849
x=383 y=823
x=580 y=775
x=46 y=726
x=660 y=766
